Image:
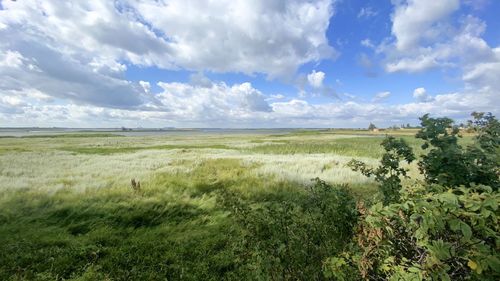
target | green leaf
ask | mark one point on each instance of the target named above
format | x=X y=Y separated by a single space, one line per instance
x=494 y=263
x=491 y=202
x=455 y=224
x=466 y=230
x=449 y=198
x=440 y=249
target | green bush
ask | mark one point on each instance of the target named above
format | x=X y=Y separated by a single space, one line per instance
x=443 y=229
x=444 y=234
x=289 y=240
x=449 y=164
x=389 y=172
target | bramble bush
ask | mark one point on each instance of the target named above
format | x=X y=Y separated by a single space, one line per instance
x=445 y=228
x=444 y=234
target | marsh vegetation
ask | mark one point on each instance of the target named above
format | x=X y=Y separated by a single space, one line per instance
x=209 y=207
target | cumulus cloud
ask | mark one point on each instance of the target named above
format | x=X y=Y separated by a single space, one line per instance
x=242 y=36
x=414 y=20
x=181 y=104
x=294 y=108
x=199 y=79
x=315 y=79
x=146 y=86
x=312 y=85
x=425 y=36
x=420 y=94
x=253 y=100
x=10 y=58
x=60 y=75
x=239 y=105
x=485 y=74
x=217 y=103
x=78 y=52
x=65 y=63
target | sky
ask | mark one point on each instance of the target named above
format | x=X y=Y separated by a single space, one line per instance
x=246 y=63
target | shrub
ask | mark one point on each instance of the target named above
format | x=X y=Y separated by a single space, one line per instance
x=444 y=229
x=289 y=240
x=389 y=172
x=442 y=234
x=448 y=164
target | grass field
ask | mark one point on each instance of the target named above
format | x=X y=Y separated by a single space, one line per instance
x=68 y=212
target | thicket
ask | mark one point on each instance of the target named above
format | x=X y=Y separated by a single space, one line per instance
x=445 y=228
x=290 y=239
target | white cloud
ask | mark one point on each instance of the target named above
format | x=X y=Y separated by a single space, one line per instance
x=276 y=97
x=11 y=59
x=239 y=105
x=179 y=104
x=435 y=40
x=78 y=52
x=199 y=79
x=315 y=79
x=257 y=36
x=262 y=36
x=253 y=99
x=15 y=101
x=60 y=75
x=427 y=37
x=146 y=86
x=485 y=75
x=412 y=64
x=420 y=94
x=217 y=103
x=65 y=62
x=367 y=43
x=367 y=12
x=381 y=96
x=415 y=20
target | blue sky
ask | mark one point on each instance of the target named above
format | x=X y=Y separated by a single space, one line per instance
x=239 y=63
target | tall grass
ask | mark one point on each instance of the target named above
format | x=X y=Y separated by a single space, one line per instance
x=128 y=149
x=176 y=228
x=68 y=211
x=355 y=146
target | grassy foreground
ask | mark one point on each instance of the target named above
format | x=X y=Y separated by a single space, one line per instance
x=211 y=207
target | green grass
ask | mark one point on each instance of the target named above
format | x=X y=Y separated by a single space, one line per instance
x=13 y=149
x=366 y=146
x=130 y=149
x=217 y=208
x=356 y=146
x=117 y=234
x=174 y=228
x=75 y=135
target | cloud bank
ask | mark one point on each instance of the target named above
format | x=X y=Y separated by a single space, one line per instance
x=65 y=63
